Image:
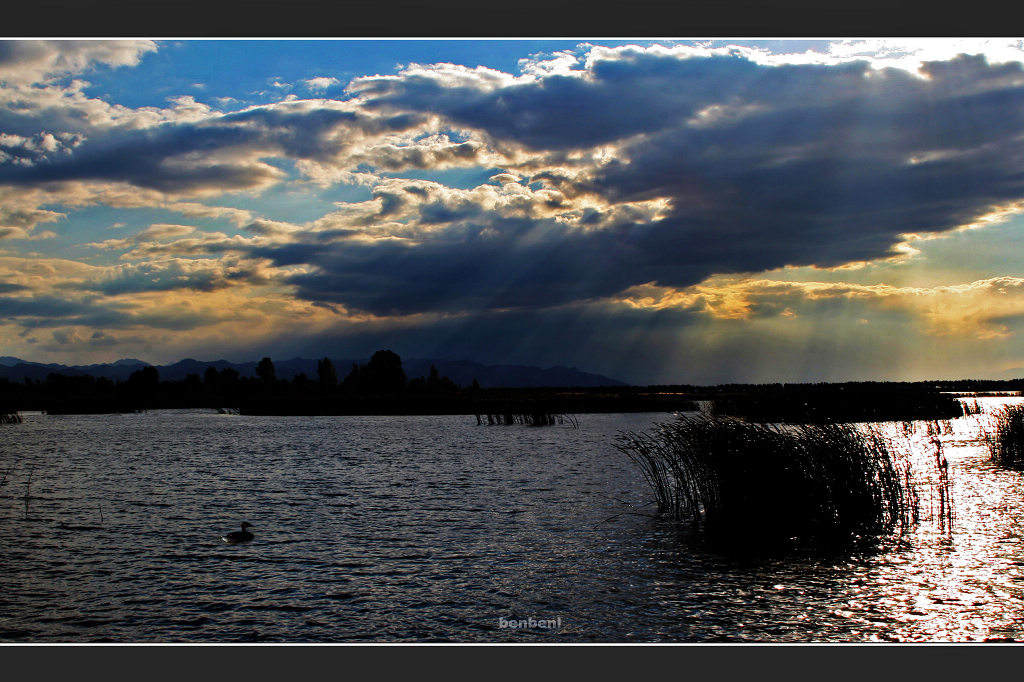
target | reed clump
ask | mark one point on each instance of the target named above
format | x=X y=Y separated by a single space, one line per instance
x=755 y=484
x=527 y=419
x=972 y=408
x=1007 y=444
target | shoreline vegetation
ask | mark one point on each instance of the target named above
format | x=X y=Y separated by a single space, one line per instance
x=381 y=387
x=824 y=484
x=1006 y=446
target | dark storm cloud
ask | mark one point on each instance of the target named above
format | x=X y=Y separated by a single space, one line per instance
x=504 y=263
x=209 y=155
x=761 y=167
x=635 y=93
x=38 y=306
x=756 y=167
x=560 y=111
x=141 y=158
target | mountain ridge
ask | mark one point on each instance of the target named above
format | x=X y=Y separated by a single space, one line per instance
x=462 y=372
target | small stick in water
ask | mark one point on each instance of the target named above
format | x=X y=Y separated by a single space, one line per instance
x=28 y=485
x=3 y=481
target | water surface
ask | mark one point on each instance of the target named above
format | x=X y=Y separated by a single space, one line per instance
x=436 y=529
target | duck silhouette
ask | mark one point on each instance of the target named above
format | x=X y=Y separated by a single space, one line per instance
x=236 y=536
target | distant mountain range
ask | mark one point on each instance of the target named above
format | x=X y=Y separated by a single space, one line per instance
x=462 y=372
x=1012 y=373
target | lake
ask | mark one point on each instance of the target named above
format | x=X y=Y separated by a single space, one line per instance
x=435 y=529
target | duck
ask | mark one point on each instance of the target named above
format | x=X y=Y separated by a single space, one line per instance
x=237 y=536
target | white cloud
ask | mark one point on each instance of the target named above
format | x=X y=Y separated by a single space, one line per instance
x=320 y=84
x=30 y=62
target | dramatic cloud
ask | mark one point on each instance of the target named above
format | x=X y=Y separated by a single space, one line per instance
x=760 y=166
x=646 y=189
x=217 y=154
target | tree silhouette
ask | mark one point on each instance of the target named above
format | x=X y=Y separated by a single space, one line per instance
x=438 y=384
x=144 y=379
x=265 y=371
x=326 y=376
x=353 y=383
x=384 y=373
x=302 y=383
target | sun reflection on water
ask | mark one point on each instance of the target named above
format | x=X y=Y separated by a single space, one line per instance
x=958 y=572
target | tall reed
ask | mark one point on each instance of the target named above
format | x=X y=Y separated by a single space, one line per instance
x=757 y=484
x=972 y=408
x=1007 y=444
x=944 y=514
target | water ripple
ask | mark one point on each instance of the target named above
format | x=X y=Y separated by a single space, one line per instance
x=435 y=529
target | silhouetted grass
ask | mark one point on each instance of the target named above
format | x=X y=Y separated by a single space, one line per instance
x=526 y=418
x=944 y=513
x=1007 y=444
x=756 y=485
x=972 y=408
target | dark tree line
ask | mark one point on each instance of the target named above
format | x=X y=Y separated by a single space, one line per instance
x=849 y=402
x=381 y=386
x=381 y=377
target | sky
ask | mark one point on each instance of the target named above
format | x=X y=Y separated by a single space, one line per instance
x=674 y=211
